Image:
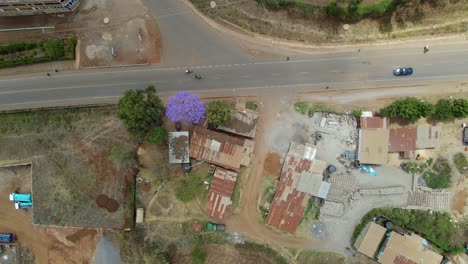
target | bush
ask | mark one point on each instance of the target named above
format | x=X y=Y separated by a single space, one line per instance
x=54 y=48
x=409 y=108
x=189 y=189
x=357 y=112
x=158 y=135
x=461 y=162
x=219 y=112
x=444 y=110
x=440 y=177
x=22 y=46
x=251 y=105
x=198 y=256
x=460 y=108
x=302 y=107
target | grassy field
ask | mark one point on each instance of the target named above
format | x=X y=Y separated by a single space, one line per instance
x=77 y=179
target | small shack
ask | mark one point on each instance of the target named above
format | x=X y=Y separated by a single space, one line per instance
x=179 y=147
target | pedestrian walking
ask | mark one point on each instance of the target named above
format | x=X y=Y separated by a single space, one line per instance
x=287 y=58
x=55 y=70
x=426 y=48
x=48 y=74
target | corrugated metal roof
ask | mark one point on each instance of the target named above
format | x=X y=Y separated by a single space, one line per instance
x=428 y=137
x=374 y=122
x=217 y=148
x=403 y=140
x=287 y=207
x=402 y=260
x=369 y=239
x=219 y=195
x=244 y=123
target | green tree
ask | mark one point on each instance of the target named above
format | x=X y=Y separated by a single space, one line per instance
x=460 y=108
x=219 y=112
x=444 y=110
x=409 y=108
x=139 y=110
x=158 y=135
x=54 y=48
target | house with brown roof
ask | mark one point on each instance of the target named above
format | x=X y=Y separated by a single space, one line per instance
x=403 y=140
x=389 y=247
x=289 y=203
x=220 y=149
x=244 y=123
x=373 y=146
x=219 y=195
x=374 y=122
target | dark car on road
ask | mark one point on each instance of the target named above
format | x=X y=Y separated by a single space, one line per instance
x=403 y=71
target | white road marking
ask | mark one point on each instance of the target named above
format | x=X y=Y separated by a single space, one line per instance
x=276 y=74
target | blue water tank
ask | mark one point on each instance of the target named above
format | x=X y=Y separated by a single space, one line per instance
x=20 y=197
x=7 y=238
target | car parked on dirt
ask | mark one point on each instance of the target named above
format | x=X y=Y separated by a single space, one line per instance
x=403 y=71
x=215 y=227
x=7 y=238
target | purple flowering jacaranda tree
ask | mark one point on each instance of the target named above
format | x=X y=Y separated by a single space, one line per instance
x=185 y=107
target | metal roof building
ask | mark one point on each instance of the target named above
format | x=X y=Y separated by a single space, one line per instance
x=36 y=7
x=244 y=123
x=219 y=196
x=373 y=146
x=220 y=149
x=289 y=203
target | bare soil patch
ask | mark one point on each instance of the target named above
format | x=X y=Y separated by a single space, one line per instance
x=80 y=234
x=109 y=204
x=459 y=201
x=272 y=165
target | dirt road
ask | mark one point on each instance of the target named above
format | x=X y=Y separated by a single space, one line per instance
x=247 y=221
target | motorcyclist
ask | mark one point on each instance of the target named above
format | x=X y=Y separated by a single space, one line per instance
x=188 y=71
x=426 y=48
x=198 y=76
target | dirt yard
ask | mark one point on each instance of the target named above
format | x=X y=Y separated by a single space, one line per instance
x=46 y=244
x=131 y=32
x=412 y=21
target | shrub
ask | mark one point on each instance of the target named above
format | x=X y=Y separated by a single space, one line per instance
x=409 y=108
x=54 y=48
x=441 y=175
x=251 y=105
x=219 y=112
x=189 y=189
x=22 y=46
x=357 y=112
x=444 y=110
x=198 y=256
x=158 y=135
x=460 y=108
x=461 y=162
x=302 y=107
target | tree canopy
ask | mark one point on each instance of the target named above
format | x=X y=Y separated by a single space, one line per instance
x=409 y=108
x=219 y=112
x=185 y=107
x=139 y=110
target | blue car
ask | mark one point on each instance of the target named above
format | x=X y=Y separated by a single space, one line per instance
x=403 y=71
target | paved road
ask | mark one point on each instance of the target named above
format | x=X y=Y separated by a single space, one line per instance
x=348 y=70
x=188 y=40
